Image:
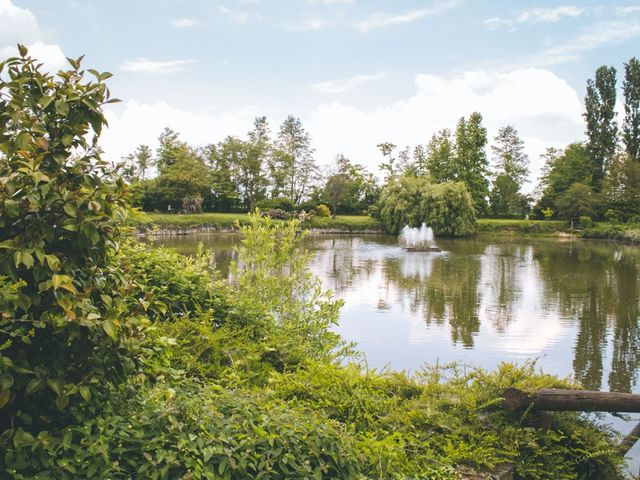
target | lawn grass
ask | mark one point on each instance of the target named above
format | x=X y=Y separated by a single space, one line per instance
x=521 y=227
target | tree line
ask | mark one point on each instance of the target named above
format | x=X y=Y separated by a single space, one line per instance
x=598 y=177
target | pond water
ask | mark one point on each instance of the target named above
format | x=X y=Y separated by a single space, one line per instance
x=573 y=306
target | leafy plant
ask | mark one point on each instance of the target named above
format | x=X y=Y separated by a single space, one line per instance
x=65 y=329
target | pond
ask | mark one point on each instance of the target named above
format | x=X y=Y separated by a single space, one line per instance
x=573 y=306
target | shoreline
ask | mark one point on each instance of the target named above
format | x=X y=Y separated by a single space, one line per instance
x=182 y=225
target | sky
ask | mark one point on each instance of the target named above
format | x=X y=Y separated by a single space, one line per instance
x=356 y=72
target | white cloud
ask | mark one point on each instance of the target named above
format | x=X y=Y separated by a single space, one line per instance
x=144 y=65
x=241 y=18
x=308 y=25
x=341 y=86
x=537 y=15
x=19 y=25
x=49 y=54
x=598 y=35
x=184 y=23
x=381 y=19
x=543 y=107
x=136 y=123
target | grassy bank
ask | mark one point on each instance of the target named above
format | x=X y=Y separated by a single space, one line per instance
x=628 y=233
x=521 y=227
x=225 y=221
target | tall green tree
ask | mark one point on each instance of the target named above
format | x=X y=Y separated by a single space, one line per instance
x=252 y=169
x=388 y=164
x=631 y=125
x=138 y=164
x=441 y=157
x=223 y=160
x=471 y=163
x=293 y=168
x=563 y=169
x=351 y=189
x=511 y=166
x=602 y=129
x=170 y=148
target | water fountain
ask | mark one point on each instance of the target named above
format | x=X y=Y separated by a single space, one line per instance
x=418 y=239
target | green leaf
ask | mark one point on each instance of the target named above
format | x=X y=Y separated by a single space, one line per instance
x=33 y=386
x=70 y=210
x=53 y=262
x=45 y=101
x=85 y=392
x=5 y=396
x=110 y=328
x=57 y=385
x=6 y=381
x=23 y=140
x=62 y=108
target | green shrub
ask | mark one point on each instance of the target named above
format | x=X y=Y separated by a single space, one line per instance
x=445 y=207
x=279 y=203
x=271 y=275
x=185 y=431
x=66 y=328
x=323 y=211
x=613 y=216
x=585 y=221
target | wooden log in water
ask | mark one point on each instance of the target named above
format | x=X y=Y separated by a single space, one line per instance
x=570 y=401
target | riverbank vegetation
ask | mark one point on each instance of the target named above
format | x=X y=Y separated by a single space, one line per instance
x=118 y=361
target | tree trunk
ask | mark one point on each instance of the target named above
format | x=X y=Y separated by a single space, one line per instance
x=570 y=400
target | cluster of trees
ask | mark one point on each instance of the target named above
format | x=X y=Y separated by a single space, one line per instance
x=238 y=174
x=495 y=187
x=597 y=178
x=600 y=177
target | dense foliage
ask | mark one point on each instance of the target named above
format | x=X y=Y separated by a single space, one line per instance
x=66 y=326
x=446 y=207
x=120 y=361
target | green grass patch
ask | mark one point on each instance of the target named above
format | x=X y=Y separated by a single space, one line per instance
x=521 y=227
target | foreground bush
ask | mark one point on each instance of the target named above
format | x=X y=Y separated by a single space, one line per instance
x=445 y=207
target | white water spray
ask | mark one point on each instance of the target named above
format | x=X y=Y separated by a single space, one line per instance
x=417 y=237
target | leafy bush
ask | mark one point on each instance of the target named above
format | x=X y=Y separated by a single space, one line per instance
x=186 y=431
x=445 y=207
x=66 y=327
x=323 y=211
x=279 y=203
x=271 y=276
x=585 y=221
x=613 y=216
x=447 y=421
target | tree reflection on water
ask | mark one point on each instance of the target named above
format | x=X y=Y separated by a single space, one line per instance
x=522 y=296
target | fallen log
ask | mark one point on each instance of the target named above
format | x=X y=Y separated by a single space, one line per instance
x=560 y=400
x=570 y=401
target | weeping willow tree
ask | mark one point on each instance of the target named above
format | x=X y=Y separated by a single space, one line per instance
x=446 y=207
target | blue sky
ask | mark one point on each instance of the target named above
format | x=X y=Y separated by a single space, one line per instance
x=357 y=72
